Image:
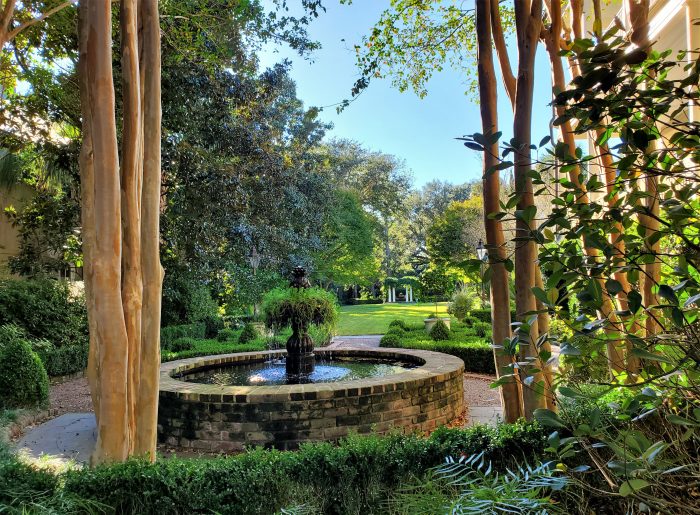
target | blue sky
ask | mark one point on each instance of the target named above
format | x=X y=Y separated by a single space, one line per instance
x=421 y=131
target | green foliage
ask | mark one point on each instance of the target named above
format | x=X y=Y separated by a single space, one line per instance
x=182 y=344
x=61 y=361
x=463 y=343
x=399 y=324
x=23 y=381
x=212 y=326
x=639 y=453
x=349 y=236
x=470 y=485
x=44 y=309
x=186 y=300
x=584 y=360
x=227 y=335
x=390 y=340
x=463 y=301
x=482 y=329
x=284 y=307
x=47 y=243
x=322 y=335
x=452 y=238
x=248 y=334
x=440 y=331
x=356 y=476
x=169 y=334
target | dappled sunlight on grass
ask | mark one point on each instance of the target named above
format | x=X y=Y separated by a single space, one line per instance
x=375 y=318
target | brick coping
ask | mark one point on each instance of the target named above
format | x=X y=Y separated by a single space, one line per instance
x=434 y=367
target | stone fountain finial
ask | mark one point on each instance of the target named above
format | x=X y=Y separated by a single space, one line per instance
x=299 y=279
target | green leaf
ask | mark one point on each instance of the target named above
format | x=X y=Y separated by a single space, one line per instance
x=667 y=293
x=635 y=301
x=645 y=354
x=548 y=418
x=614 y=287
x=632 y=485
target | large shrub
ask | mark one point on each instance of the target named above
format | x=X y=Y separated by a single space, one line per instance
x=23 y=380
x=44 y=308
x=186 y=300
x=226 y=335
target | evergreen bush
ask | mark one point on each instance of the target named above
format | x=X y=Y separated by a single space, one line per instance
x=248 y=334
x=183 y=344
x=398 y=323
x=440 y=331
x=23 y=379
x=390 y=340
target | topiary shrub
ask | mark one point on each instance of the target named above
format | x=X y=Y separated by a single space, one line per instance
x=248 y=334
x=399 y=324
x=23 y=379
x=390 y=340
x=182 y=344
x=440 y=331
x=226 y=335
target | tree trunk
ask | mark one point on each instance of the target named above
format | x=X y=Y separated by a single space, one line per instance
x=112 y=355
x=147 y=406
x=528 y=20
x=511 y=395
x=121 y=209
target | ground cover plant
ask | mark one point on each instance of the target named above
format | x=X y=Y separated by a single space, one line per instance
x=462 y=341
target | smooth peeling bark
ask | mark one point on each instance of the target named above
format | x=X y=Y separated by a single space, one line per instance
x=528 y=19
x=112 y=434
x=87 y=205
x=132 y=287
x=638 y=11
x=511 y=394
x=147 y=404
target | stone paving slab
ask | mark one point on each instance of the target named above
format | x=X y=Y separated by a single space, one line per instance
x=365 y=341
x=69 y=437
x=487 y=415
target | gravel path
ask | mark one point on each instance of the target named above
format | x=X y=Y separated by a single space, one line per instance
x=70 y=397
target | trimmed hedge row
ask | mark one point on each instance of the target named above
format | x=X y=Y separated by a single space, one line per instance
x=354 y=476
x=476 y=354
x=470 y=344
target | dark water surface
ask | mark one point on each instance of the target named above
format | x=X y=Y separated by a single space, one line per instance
x=274 y=372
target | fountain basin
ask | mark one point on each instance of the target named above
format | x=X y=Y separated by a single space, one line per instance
x=212 y=417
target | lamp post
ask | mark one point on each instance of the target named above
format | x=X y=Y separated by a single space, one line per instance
x=482 y=254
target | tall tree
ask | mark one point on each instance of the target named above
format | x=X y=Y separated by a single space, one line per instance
x=528 y=22
x=121 y=209
x=511 y=393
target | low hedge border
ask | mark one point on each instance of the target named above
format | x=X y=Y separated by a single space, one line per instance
x=355 y=476
x=462 y=342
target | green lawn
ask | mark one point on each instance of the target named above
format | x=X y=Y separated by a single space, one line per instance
x=375 y=318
